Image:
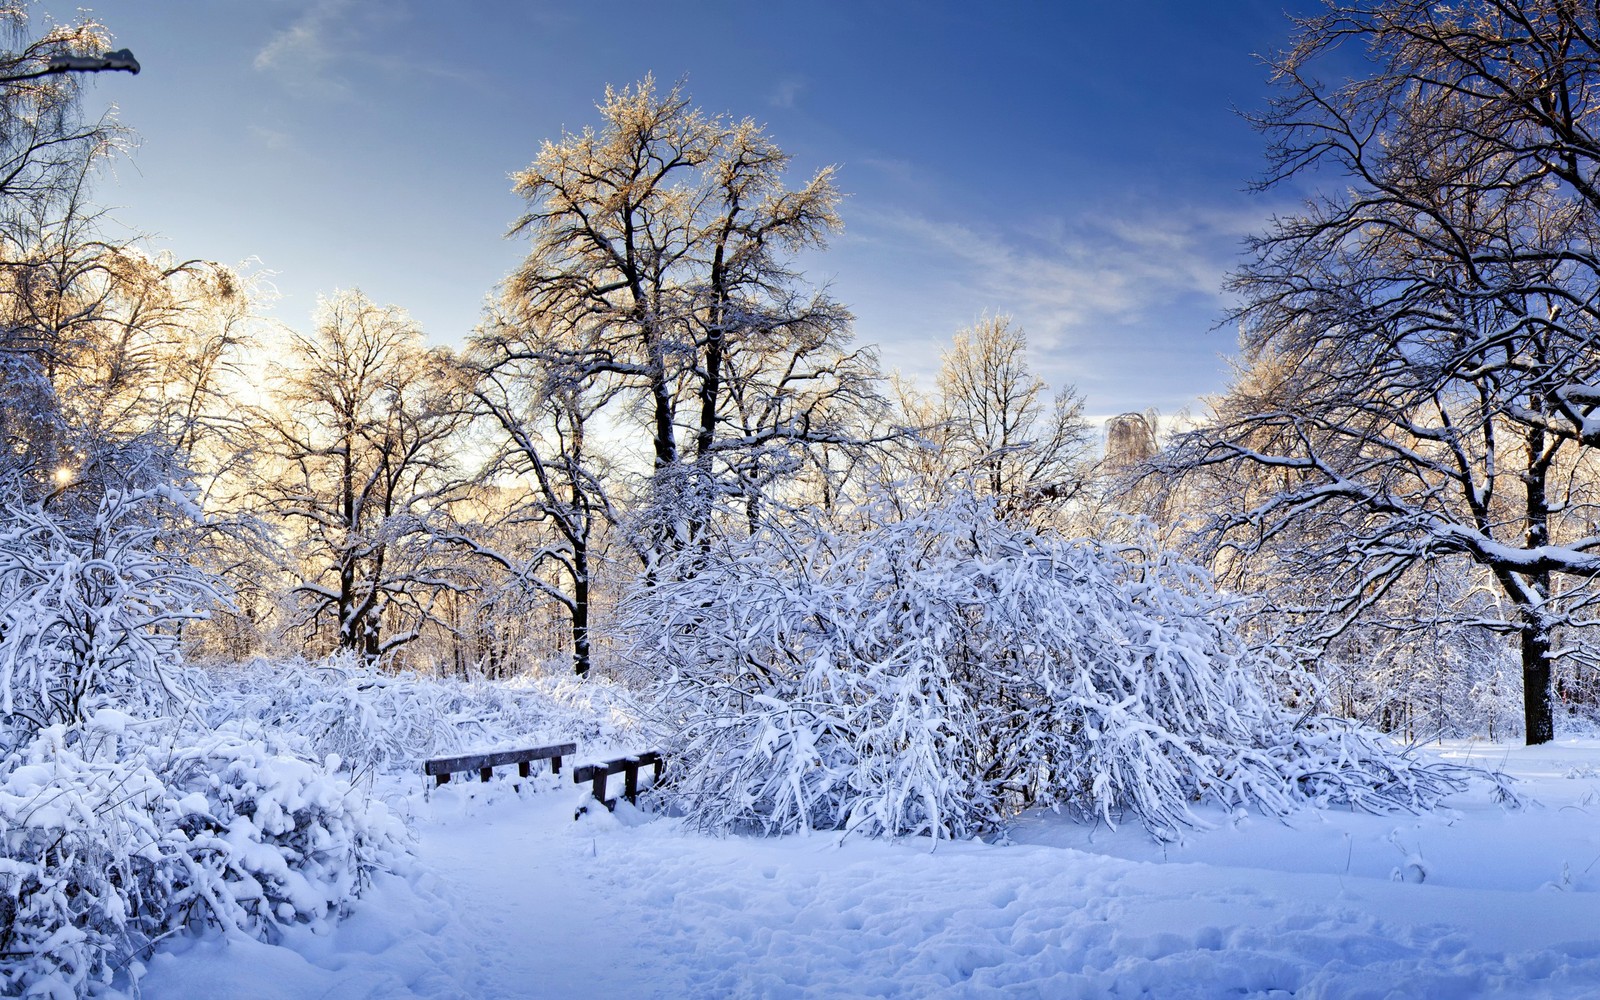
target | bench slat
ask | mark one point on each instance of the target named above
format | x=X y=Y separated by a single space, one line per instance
x=483 y=761
x=589 y=771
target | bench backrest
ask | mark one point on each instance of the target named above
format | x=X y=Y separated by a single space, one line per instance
x=477 y=762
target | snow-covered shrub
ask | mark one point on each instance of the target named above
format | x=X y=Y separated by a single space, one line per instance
x=294 y=843
x=81 y=850
x=123 y=817
x=1331 y=762
x=936 y=674
x=90 y=610
x=115 y=834
x=376 y=722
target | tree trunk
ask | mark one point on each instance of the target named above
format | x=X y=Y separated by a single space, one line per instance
x=705 y=435
x=1539 y=725
x=580 y=608
x=1537 y=717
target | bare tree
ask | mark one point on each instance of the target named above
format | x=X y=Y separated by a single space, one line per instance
x=992 y=422
x=543 y=422
x=657 y=276
x=362 y=437
x=1422 y=347
x=795 y=401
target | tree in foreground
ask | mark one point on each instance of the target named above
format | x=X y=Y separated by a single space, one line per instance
x=937 y=674
x=1422 y=374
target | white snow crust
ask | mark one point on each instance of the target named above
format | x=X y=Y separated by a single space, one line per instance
x=512 y=898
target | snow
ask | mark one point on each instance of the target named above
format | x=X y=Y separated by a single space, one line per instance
x=512 y=898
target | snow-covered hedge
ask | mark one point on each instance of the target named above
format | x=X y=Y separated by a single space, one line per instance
x=373 y=722
x=936 y=674
x=115 y=834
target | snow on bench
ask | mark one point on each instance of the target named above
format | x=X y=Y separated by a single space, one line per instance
x=629 y=766
x=485 y=763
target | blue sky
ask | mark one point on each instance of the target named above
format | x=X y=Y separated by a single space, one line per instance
x=1078 y=165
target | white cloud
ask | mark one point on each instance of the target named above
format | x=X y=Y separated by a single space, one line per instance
x=1073 y=274
x=333 y=39
x=271 y=138
x=787 y=94
x=302 y=54
x=1118 y=303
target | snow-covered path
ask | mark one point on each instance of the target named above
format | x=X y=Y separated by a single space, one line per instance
x=531 y=889
x=523 y=902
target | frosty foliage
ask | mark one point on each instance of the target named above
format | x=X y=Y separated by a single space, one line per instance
x=115 y=834
x=936 y=674
x=125 y=817
x=90 y=609
x=369 y=722
x=244 y=814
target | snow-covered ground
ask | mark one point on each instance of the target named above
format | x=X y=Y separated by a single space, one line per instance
x=512 y=898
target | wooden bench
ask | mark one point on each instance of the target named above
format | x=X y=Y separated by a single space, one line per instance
x=596 y=775
x=485 y=763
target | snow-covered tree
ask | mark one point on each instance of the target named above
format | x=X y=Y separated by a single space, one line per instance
x=544 y=424
x=1020 y=446
x=658 y=273
x=363 y=466
x=1420 y=353
x=990 y=425
x=111 y=357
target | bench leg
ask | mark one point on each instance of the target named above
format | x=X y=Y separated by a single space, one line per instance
x=441 y=779
x=555 y=765
x=484 y=772
x=631 y=785
x=522 y=769
x=598 y=788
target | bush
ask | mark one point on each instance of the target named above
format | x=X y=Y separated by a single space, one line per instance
x=114 y=835
x=937 y=674
x=90 y=610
